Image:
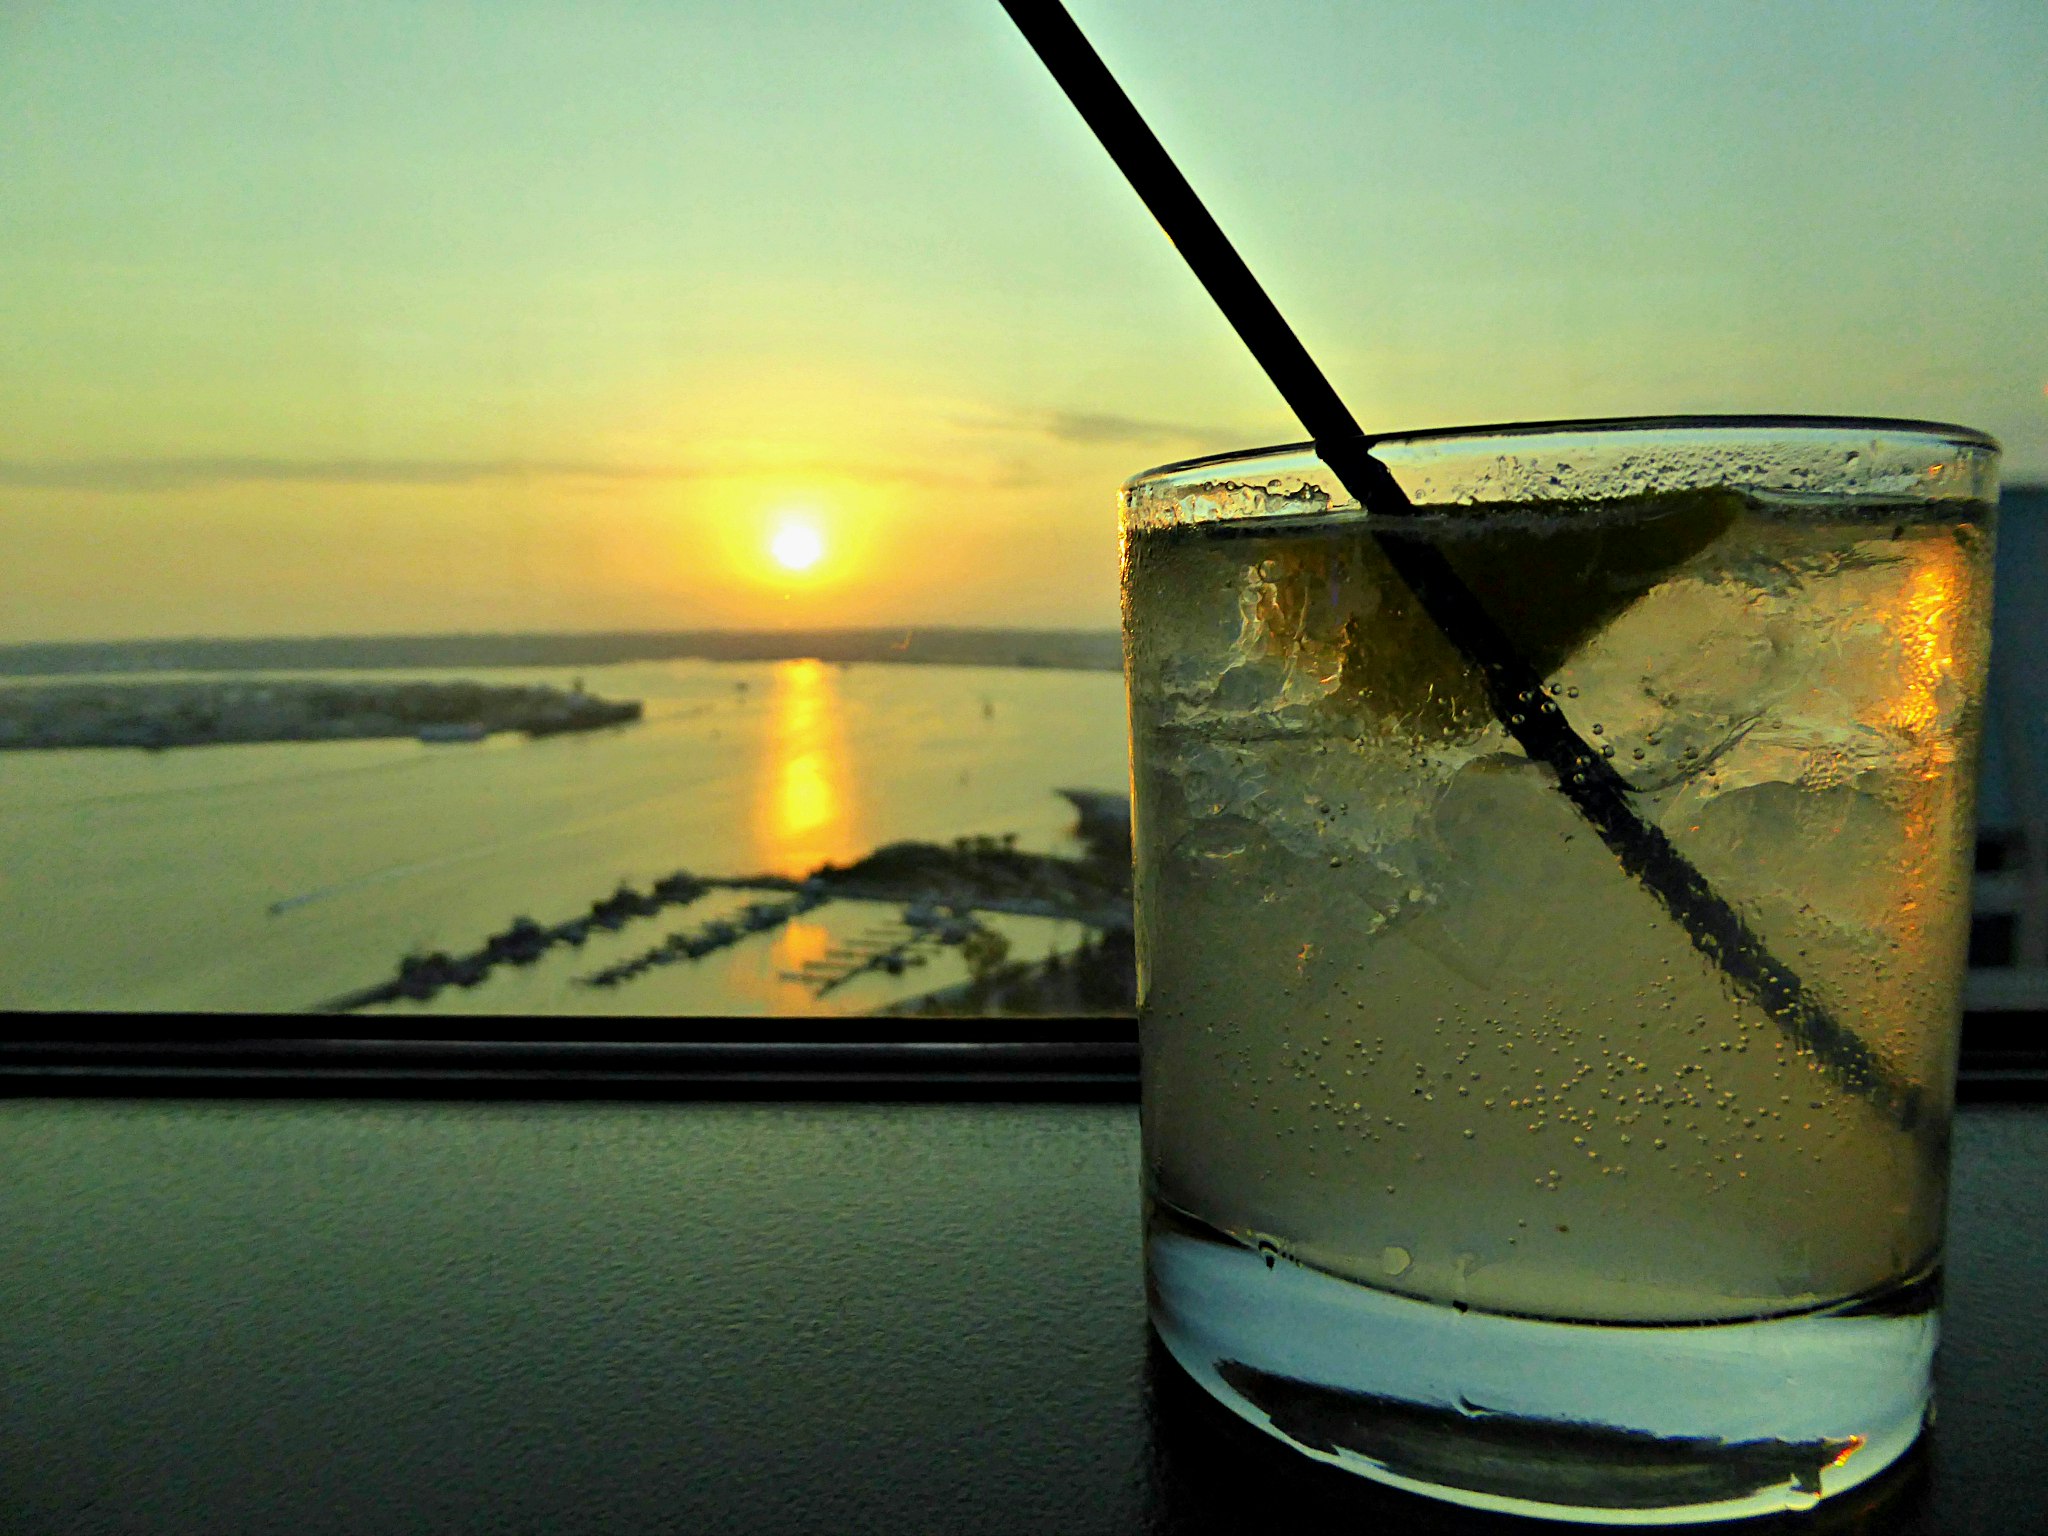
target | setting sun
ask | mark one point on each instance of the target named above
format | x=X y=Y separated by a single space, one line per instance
x=796 y=546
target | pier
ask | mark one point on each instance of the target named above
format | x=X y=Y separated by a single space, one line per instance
x=897 y=947
x=756 y=917
x=524 y=941
x=940 y=889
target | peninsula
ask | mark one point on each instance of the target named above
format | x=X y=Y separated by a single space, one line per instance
x=214 y=713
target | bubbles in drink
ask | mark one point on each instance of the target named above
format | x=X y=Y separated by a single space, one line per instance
x=1335 y=826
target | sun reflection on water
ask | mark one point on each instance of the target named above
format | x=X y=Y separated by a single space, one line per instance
x=803 y=815
x=799 y=943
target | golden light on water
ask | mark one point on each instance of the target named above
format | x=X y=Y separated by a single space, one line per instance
x=799 y=943
x=804 y=801
x=775 y=975
x=803 y=810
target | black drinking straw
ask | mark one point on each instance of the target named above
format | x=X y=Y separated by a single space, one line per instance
x=1513 y=689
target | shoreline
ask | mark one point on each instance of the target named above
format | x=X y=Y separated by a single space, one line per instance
x=158 y=716
x=1084 y=650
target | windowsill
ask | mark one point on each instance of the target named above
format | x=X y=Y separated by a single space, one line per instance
x=723 y=1316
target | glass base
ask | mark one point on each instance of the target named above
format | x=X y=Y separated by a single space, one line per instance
x=1608 y=1423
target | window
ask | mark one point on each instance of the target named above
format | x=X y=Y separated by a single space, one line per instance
x=610 y=513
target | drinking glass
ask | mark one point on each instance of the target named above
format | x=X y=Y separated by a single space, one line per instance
x=1552 y=909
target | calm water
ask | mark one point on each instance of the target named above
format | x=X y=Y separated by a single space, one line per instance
x=273 y=876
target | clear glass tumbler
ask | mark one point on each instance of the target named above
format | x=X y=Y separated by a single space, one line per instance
x=1552 y=913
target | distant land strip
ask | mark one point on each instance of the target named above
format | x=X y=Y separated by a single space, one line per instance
x=215 y=712
x=1086 y=650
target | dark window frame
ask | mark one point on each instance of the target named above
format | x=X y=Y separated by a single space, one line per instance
x=2004 y=1056
x=685 y=1057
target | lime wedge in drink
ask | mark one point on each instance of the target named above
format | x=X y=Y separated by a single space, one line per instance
x=1549 y=582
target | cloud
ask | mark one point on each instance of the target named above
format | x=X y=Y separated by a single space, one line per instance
x=172 y=473
x=1094 y=429
x=1091 y=428
x=203 y=472
x=179 y=473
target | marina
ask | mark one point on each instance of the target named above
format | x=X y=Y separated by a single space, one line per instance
x=943 y=894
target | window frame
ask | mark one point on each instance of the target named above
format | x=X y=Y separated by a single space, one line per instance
x=1093 y=1056
x=2004 y=1056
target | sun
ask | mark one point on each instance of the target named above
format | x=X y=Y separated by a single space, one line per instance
x=796 y=545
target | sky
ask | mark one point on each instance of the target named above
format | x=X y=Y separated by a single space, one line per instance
x=418 y=316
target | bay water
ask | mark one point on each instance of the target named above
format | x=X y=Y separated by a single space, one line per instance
x=271 y=877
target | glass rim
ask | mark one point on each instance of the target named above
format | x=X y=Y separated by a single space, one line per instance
x=1949 y=433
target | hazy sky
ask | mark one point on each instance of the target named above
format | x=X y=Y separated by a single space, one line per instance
x=422 y=316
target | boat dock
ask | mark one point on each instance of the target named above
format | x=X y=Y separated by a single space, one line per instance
x=942 y=891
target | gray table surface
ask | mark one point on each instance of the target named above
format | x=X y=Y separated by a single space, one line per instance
x=316 y=1316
